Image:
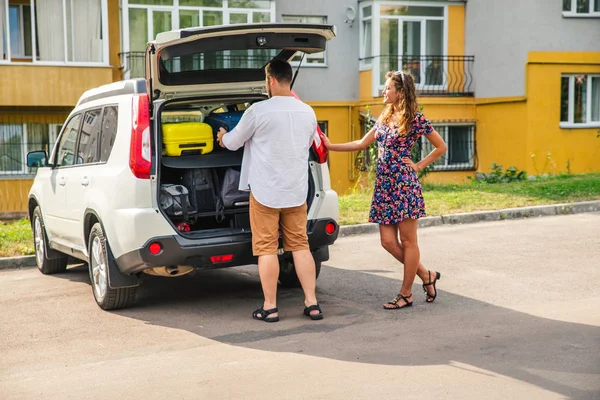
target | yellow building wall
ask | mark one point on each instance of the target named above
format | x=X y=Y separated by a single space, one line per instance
x=556 y=149
x=341 y=127
x=32 y=85
x=13 y=195
x=501 y=133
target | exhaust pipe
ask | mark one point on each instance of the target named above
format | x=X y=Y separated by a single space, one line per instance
x=170 y=272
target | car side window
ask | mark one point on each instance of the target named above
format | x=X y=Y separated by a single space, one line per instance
x=67 y=143
x=109 y=131
x=87 y=152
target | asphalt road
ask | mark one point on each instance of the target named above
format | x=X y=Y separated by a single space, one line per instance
x=517 y=317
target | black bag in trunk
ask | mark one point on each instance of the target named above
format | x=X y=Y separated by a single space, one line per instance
x=230 y=194
x=203 y=192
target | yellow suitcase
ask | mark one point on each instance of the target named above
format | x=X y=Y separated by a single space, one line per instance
x=187 y=138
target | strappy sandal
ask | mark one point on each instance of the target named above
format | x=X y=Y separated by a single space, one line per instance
x=314 y=307
x=263 y=315
x=395 y=304
x=431 y=298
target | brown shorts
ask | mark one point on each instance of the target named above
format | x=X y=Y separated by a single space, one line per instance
x=266 y=222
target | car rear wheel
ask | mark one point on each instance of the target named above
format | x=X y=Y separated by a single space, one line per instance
x=106 y=297
x=287 y=272
x=46 y=265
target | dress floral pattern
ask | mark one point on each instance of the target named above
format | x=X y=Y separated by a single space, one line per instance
x=397 y=195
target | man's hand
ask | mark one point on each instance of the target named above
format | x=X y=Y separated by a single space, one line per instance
x=222 y=131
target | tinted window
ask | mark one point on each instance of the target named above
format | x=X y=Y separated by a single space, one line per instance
x=68 y=140
x=89 y=137
x=109 y=131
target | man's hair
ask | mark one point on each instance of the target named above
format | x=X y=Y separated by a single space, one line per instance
x=280 y=70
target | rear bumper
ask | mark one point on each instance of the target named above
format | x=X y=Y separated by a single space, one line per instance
x=178 y=250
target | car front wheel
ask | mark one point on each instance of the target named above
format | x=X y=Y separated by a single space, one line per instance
x=106 y=297
x=46 y=265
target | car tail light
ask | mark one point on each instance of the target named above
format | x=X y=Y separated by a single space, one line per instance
x=221 y=259
x=140 y=154
x=155 y=248
x=318 y=146
x=330 y=228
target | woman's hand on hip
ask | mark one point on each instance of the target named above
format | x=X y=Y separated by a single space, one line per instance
x=409 y=162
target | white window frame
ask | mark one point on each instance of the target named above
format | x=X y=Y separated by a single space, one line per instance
x=53 y=130
x=307 y=57
x=366 y=60
x=174 y=9
x=443 y=130
x=34 y=56
x=21 y=30
x=574 y=14
x=377 y=86
x=589 y=106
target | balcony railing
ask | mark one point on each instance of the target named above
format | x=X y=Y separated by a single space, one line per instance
x=434 y=75
x=133 y=64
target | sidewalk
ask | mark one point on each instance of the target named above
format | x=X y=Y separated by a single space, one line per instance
x=451 y=219
x=481 y=216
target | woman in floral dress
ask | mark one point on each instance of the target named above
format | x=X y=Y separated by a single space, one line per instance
x=397 y=200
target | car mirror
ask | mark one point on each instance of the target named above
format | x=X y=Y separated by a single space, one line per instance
x=37 y=159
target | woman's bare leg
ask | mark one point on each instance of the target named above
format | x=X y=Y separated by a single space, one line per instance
x=391 y=243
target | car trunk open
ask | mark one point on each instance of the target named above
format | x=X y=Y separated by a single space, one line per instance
x=201 y=79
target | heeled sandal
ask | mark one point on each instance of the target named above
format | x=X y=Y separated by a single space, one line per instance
x=431 y=298
x=395 y=305
x=263 y=315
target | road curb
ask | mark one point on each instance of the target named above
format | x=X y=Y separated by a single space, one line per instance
x=17 y=262
x=426 y=222
x=483 y=216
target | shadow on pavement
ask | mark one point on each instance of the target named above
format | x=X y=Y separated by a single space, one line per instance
x=561 y=357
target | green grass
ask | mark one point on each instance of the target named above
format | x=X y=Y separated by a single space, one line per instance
x=16 y=238
x=477 y=196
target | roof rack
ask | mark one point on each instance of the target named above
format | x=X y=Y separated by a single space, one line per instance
x=130 y=86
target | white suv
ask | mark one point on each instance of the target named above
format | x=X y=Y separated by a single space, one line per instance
x=115 y=194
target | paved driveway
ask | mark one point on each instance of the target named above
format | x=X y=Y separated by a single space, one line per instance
x=517 y=317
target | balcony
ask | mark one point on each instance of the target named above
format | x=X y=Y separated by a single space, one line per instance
x=133 y=64
x=434 y=75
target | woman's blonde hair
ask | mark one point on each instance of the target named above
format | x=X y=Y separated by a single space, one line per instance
x=404 y=113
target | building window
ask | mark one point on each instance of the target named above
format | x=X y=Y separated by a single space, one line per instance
x=366 y=36
x=315 y=59
x=412 y=38
x=581 y=8
x=144 y=19
x=69 y=31
x=460 y=140
x=580 y=101
x=16 y=140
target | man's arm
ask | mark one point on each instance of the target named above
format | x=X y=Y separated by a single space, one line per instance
x=240 y=134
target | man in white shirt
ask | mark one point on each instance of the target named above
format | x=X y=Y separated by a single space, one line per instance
x=277 y=134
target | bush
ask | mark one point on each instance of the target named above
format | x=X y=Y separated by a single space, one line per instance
x=512 y=174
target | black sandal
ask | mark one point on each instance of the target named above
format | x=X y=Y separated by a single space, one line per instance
x=263 y=315
x=431 y=298
x=395 y=304
x=314 y=317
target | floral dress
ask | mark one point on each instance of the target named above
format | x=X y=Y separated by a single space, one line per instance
x=397 y=195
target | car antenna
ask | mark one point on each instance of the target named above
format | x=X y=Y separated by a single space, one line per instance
x=298 y=69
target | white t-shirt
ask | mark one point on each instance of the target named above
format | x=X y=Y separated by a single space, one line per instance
x=276 y=134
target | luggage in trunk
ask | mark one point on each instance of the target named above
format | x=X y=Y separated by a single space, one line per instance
x=187 y=138
x=227 y=120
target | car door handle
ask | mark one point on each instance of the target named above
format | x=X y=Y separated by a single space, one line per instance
x=85 y=181
x=62 y=181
